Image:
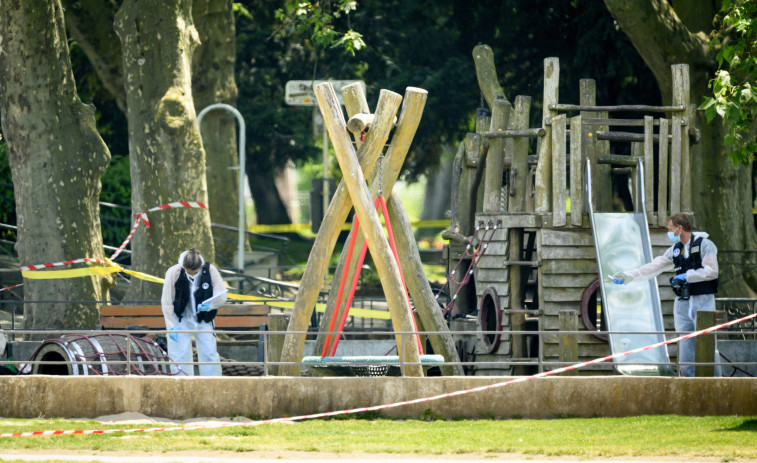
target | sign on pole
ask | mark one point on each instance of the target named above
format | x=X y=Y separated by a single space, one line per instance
x=300 y=92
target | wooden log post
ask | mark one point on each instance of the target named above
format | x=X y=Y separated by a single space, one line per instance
x=323 y=246
x=543 y=180
x=355 y=103
x=649 y=168
x=662 y=191
x=576 y=172
x=704 y=345
x=410 y=116
x=431 y=317
x=495 y=158
x=276 y=322
x=682 y=96
x=486 y=72
x=675 y=167
x=559 y=179
x=386 y=266
x=568 y=341
x=412 y=110
x=601 y=173
x=517 y=204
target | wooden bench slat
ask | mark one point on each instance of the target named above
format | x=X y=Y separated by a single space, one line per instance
x=229 y=316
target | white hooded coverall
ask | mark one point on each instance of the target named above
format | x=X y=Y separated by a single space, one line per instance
x=685 y=312
x=180 y=351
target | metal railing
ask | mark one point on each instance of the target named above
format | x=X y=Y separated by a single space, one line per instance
x=131 y=364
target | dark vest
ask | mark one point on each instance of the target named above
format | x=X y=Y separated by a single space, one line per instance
x=682 y=265
x=181 y=290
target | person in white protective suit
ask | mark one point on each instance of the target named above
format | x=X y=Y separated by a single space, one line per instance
x=694 y=258
x=192 y=292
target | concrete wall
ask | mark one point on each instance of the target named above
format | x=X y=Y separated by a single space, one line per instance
x=182 y=398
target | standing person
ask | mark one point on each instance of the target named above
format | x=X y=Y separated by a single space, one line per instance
x=192 y=292
x=694 y=258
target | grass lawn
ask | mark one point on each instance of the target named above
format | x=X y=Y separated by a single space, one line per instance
x=725 y=438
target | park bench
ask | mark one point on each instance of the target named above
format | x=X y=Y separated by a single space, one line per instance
x=234 y=317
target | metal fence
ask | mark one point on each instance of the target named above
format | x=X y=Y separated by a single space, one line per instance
x=124 y=351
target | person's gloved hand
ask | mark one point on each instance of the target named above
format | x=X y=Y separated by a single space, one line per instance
x=681 y=276
x=174 y=336
x=621 y=278
x=203 y=307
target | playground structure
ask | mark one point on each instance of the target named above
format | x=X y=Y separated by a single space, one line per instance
x=537 y=269
x=519 y=257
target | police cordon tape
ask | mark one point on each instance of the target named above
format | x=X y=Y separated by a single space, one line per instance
x=142 y=217
x=111 y=267
x=383 y=406
x=300 y=227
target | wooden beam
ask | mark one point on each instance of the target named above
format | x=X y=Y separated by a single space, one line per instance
x=323 y=246
x=559 y=179
x=662 y=191
x=386 y=266
x=576 y=173
x=543 y=180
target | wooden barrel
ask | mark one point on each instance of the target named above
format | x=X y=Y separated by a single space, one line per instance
x=100 y=354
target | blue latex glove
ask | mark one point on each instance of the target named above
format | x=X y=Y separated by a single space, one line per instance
x=619 y=278
x=203 y=307
x=681 y=277
x=174 y=336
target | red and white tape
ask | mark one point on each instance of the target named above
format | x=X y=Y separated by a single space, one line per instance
x=384 y=406
x=142 y=217
x=60 y=264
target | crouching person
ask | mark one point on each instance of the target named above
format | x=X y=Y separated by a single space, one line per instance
x=192 y=292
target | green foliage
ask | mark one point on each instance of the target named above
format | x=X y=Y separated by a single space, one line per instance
x=734 y=98
x=314 y=21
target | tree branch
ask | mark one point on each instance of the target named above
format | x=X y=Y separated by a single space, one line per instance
x=661 y=38
x=90 y=23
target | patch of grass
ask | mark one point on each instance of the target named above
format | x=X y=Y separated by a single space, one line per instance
x=726 y=438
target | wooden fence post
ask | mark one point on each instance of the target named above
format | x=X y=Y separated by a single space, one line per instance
x=704 y=345
x=495 y=159
x=276 y=322
x=576 y=172
x=568 y=341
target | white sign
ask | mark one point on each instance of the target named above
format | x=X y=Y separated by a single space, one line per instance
x=300 y=92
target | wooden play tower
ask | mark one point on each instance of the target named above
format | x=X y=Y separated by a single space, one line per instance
x=518 y=199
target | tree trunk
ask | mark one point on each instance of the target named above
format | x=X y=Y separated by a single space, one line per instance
x=157 y=39
x=213 y=82
x=56 y=158
x=268 y=205
x=721 y=193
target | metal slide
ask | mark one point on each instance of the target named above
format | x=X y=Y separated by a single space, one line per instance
x=621 y=241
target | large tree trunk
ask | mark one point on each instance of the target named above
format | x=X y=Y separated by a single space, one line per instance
x=56 y=158
x=157 y=39
x=721 y=193
x=269 y=207
x=213 y=82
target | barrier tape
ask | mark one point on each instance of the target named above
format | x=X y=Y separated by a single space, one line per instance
x=11 y=287
x=300 y=227
x=112 y=267
x=142 y=217
x=384 y=406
